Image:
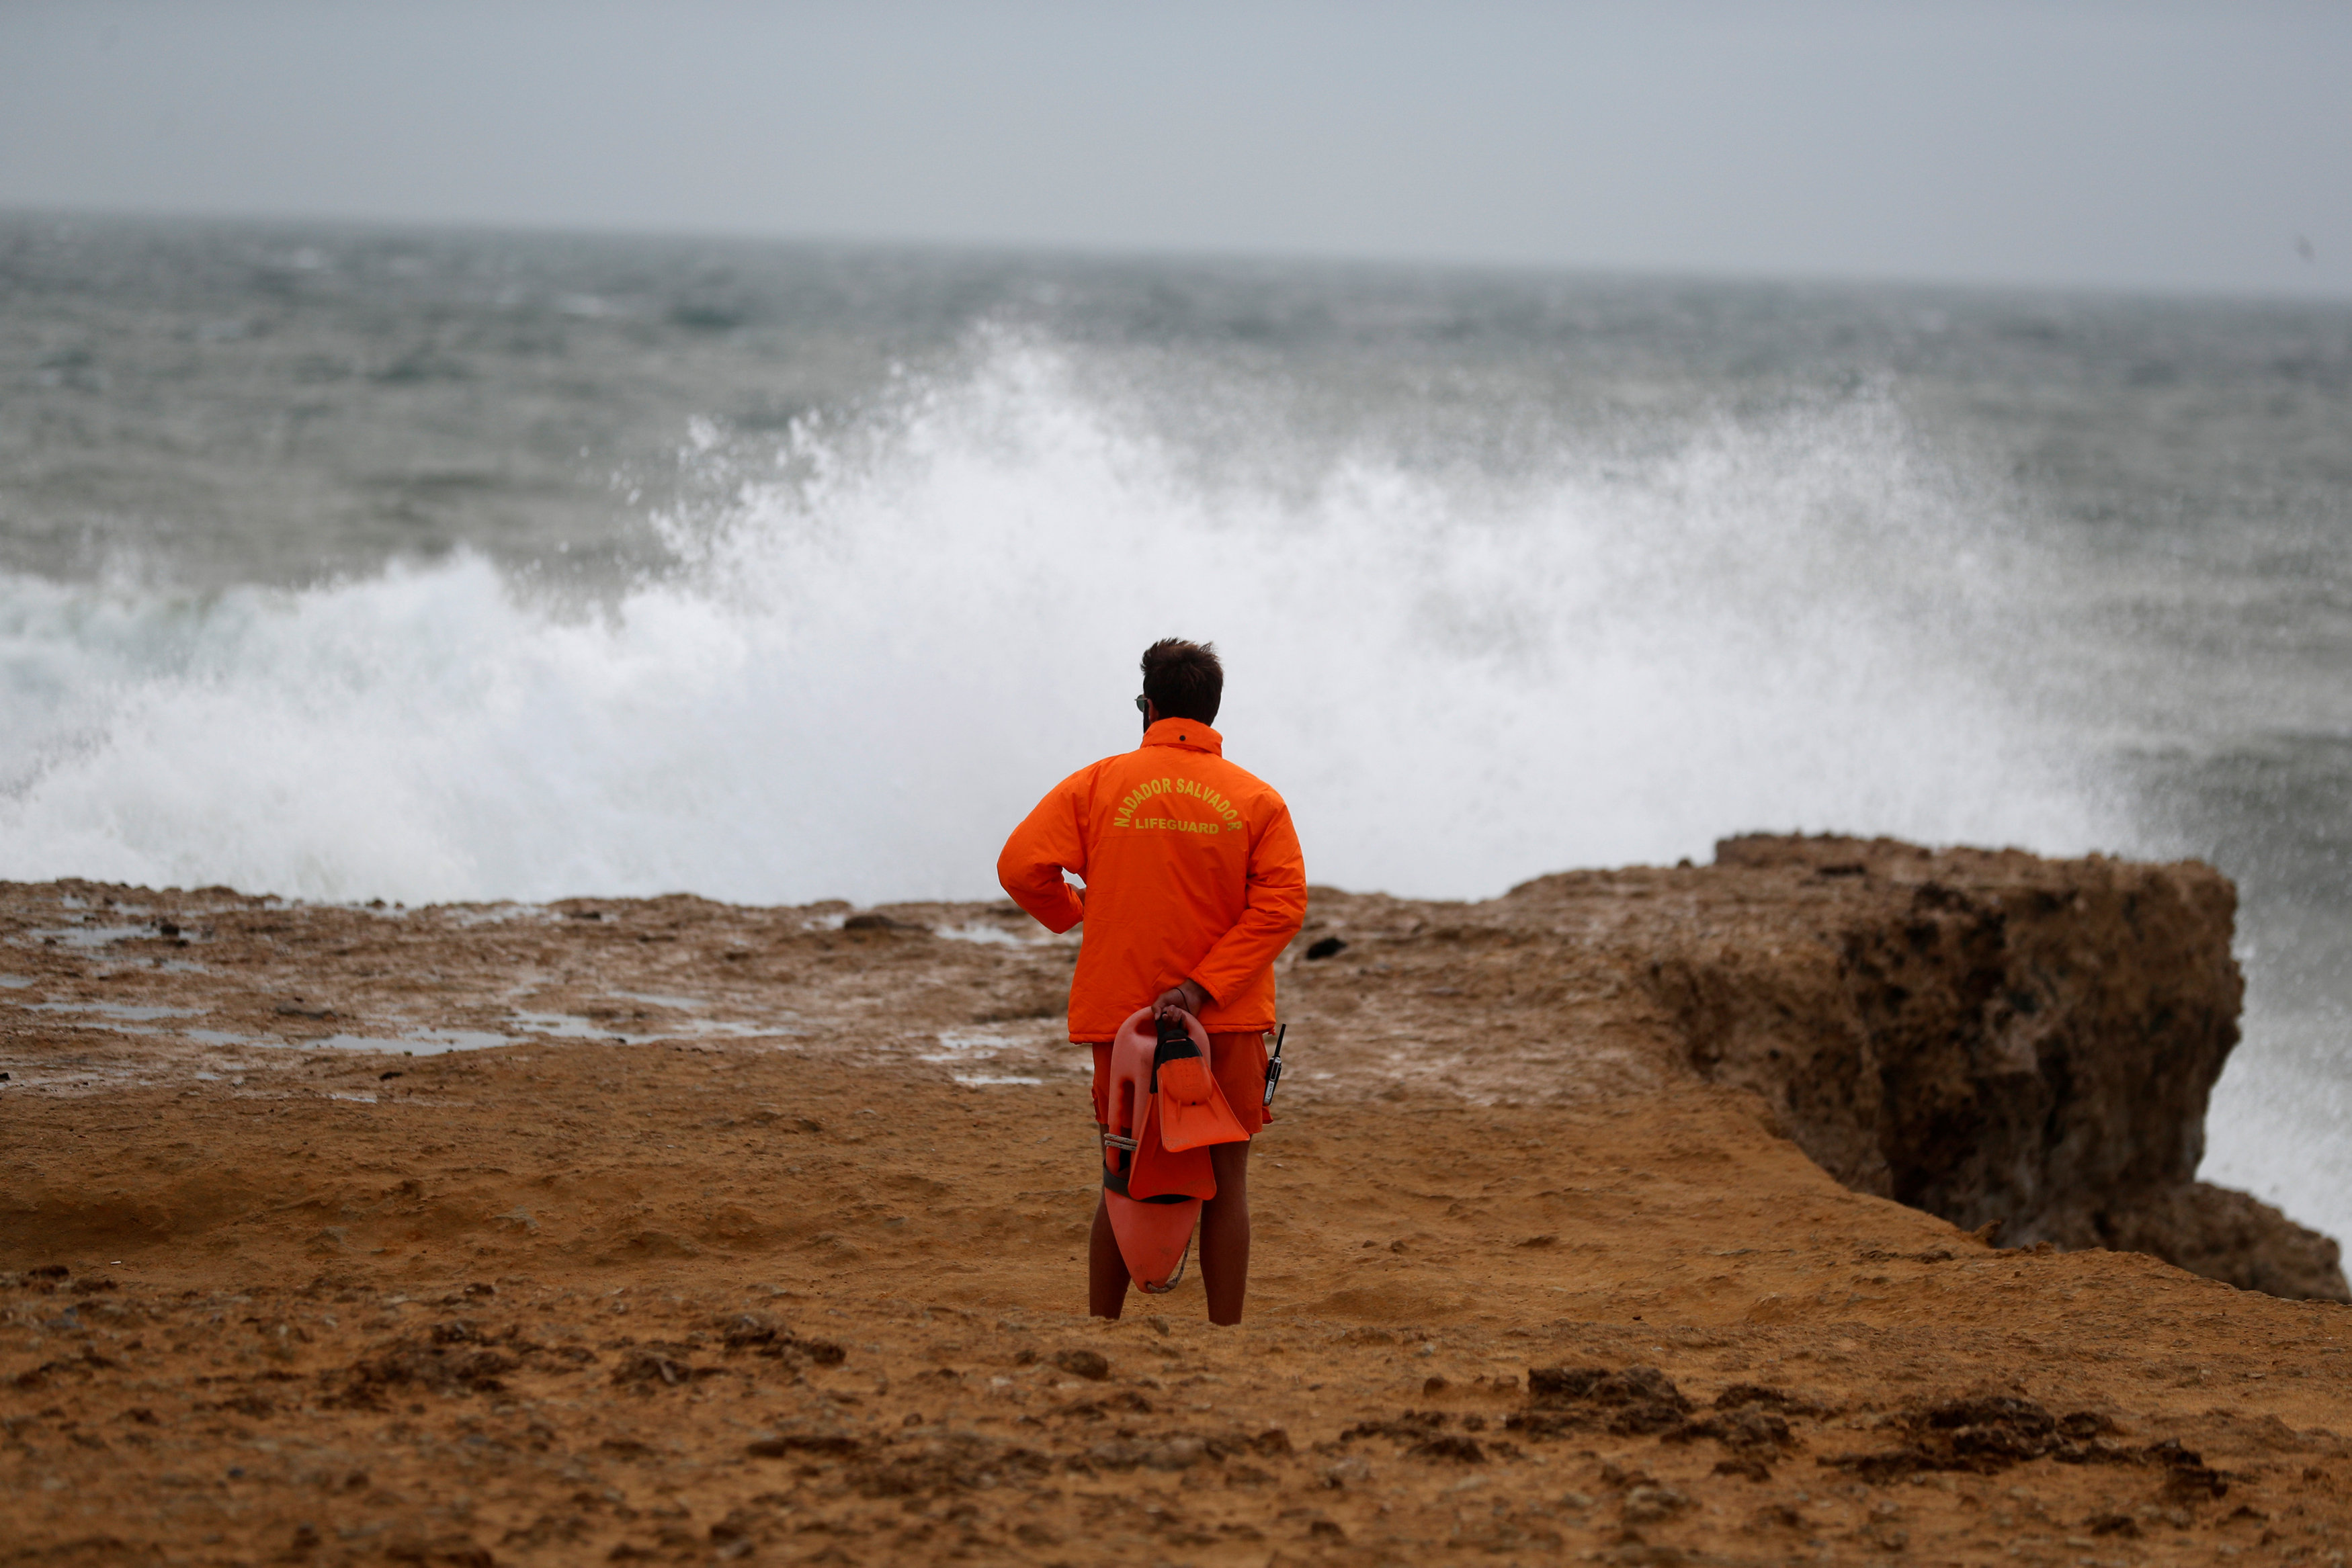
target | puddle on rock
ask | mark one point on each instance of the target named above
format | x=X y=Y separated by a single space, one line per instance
x=975 y=931
x=683 y=1004
x=572 y=1026
x=83 y=936
x=966 y=1045
x=472 y=914
x=223 y=1037
x=115 y=1010
x=413 y=1042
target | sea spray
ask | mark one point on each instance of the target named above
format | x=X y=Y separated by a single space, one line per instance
x=880 y=641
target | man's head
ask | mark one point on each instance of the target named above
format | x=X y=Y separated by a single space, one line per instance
x=1183 y=680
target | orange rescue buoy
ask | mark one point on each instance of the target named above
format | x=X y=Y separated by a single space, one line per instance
x=1153 y=1225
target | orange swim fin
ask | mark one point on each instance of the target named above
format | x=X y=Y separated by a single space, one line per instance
x=1159 y=1172
x=1192 y=1111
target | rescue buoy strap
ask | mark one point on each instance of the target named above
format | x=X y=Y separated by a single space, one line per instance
x=1162 y=1290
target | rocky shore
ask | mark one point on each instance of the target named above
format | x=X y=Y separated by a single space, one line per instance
x=1644 y=1216
x=1994 y=1038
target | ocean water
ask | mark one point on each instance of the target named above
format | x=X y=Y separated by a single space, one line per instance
x=351 y=563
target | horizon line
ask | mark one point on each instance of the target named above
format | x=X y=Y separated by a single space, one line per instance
x=1111 y=251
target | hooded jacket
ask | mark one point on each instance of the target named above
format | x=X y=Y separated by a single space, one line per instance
x=1193 y=871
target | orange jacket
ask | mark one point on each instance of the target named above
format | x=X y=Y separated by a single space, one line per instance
x=1193 y=871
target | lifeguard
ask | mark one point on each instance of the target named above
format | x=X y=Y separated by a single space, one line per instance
x=1193 y=884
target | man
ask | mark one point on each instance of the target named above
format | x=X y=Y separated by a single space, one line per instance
x=1193 y=884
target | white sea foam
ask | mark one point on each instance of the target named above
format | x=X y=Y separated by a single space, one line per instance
x=874 y=658
x=2276 y=1126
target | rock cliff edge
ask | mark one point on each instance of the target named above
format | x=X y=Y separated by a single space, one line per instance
x=1992 y=1037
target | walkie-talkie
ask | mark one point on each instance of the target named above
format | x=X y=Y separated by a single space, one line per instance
x=1274 y=1064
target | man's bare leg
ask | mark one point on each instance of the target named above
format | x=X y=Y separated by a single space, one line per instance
x=1224 y=1234
x=1105 y=1269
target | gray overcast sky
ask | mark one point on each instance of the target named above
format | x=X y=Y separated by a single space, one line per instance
x=2141 y=145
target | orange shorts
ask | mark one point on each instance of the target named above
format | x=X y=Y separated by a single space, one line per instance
x=1237 y=1061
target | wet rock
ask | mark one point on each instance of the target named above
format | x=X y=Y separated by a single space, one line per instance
x=1639 y=1401
x=1089 y=1365
x=1636 y=1401
x=762 y=1333
x=1449 y=1448
x=824 y=1444
x=419 y=1364
x=1654 y=1504
x=950 y=1463
x=1986 y=1434
x=1177 y=1453
x=2186 y=1477
x=646 y=1366
x=1126 y=1401
x=1747 y=1429
x=440 y=1551
x=1116 y=1456
x=1411 y=1426
x=1764 y=1397
x=1995 y=1037
x=1634 y=1385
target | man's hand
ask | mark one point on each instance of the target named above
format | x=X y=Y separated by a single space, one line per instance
x=1187 y=994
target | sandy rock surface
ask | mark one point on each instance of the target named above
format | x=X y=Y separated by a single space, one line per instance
x=692 y=1233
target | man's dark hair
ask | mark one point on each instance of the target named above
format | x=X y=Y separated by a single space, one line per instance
x=1184 y=679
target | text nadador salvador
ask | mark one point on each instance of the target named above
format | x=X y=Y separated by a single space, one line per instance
x=1229 y=815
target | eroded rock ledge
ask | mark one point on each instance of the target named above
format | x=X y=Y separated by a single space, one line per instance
x=1986 y=1036
x=1992 y=1037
